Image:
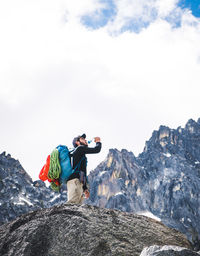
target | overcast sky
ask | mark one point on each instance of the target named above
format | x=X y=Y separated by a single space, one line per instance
x=117 y=69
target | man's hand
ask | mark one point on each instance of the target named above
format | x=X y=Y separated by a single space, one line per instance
x=97 y=139
x=87 y=193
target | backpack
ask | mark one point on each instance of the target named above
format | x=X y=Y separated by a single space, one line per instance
x=58 y=167
x=65 y=163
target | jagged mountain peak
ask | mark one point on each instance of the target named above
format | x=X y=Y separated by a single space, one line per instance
x=193 y=126
x=113 y=157
x=164 y=179
x=183 y=142
x=12 y=167
x=18 y=193
x=116 y=153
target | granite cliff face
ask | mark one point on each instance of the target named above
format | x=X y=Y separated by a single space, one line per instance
x=19 y=194
x=163 y=180
x=86 y=231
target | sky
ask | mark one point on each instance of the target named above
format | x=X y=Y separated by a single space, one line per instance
x=117 y=69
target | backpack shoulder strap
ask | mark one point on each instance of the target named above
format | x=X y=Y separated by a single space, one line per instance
x=79 y=163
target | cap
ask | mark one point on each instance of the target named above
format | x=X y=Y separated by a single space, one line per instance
x=77 y=138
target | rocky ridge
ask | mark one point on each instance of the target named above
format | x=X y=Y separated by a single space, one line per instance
x=163 y=180
x=85 y=230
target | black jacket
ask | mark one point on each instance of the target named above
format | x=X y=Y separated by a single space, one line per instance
x=77 y=156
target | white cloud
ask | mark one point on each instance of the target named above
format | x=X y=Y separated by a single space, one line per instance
x=137 y=14
x=60 y=79
x=165 y=7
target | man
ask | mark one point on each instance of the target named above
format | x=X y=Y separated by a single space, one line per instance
x=77 y=182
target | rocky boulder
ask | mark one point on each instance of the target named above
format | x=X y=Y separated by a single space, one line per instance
x=84 y=230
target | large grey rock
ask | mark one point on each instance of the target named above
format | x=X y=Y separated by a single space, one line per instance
x=84 y=230
x=167 y=250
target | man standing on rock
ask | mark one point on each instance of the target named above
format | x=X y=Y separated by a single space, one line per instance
x=77 y=182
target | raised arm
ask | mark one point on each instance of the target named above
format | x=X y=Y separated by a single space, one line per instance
x=94 y=150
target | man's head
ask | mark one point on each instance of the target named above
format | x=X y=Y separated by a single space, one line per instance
x=80 y=140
